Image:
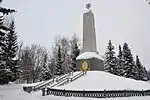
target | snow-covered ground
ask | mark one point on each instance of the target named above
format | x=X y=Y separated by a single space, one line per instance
x=33 y=84
x=15 y=92
x=95 y=80
x=99 y=80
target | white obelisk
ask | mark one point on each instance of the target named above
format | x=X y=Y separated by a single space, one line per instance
x=89 y=36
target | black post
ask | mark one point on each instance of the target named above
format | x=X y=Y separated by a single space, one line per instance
x=124 y=93
x=83 y=93
x=85 y=72
x=47 y=91
x=142 y=93
x=104 y=93
x=64 y=92
x=43 y=91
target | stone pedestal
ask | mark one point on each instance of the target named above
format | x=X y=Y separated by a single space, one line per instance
x=93 y=64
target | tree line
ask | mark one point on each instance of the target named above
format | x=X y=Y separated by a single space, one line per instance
x=38 y=64
x=33 y=63
x=123 y=64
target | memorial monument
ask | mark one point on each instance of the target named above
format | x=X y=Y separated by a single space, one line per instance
x=89 y=36
x=89 y=59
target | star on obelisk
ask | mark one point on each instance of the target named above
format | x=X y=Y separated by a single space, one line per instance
x=88 y=5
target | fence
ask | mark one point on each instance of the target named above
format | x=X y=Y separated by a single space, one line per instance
x=95 y=94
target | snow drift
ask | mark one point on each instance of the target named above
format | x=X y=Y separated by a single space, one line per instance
x=99 y=80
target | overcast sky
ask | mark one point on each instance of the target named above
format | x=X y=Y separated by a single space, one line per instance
x=39 y=21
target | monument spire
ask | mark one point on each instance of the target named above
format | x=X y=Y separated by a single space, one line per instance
x=89 y=36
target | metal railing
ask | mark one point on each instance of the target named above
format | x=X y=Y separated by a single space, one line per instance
x=95 y=94
x=68 y=79
x=57 y=81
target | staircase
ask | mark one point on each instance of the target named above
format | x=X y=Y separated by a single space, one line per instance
x=73 y=77
x=57 y=81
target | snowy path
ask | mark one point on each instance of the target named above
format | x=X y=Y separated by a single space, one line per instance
x=15 y=92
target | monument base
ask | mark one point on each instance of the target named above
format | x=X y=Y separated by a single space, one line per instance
x=89 y=64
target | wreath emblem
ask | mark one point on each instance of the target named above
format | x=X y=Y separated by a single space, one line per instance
x=84 y=66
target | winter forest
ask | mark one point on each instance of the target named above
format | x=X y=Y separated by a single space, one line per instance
x=33 y=63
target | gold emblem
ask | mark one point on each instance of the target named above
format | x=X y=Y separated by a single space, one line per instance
x=84 y=66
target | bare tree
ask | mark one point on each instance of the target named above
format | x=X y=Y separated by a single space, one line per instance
x=31 y=62
x=26 y=64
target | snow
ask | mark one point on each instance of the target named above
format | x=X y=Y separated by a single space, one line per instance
x=89 y=55
x=99 y=80
x=33 y=84
x=15 y=92
x=56 y=84
x=40 y=84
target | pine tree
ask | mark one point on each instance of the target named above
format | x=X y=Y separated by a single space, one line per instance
x=129 y=67
x=5 y=72
x=75 y=51
x=75 y=54
x=148 y=74
x=145 y=75
x=120 y=68
x=120 y=53
x=110 y=61
x=140 y=69
x=59 y=68
x=46 y=74
x=6 y=11
x=11 y=51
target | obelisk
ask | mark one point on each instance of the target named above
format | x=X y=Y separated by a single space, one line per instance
x=89 y=59
x=89 y=36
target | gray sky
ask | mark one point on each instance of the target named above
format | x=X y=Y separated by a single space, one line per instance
x=118 y=20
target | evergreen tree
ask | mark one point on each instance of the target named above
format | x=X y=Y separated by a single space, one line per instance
x=6 y=11
x=11 y=51
x=5 y=72
x=110 y=61
x=140 y=69
x=120 y=68
x=75 y=51
x=129 y=67
x=46 y=74
x=59 y=68
x=120 y=53
x=75 y=54
x=145 y=75
x=148 y=72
